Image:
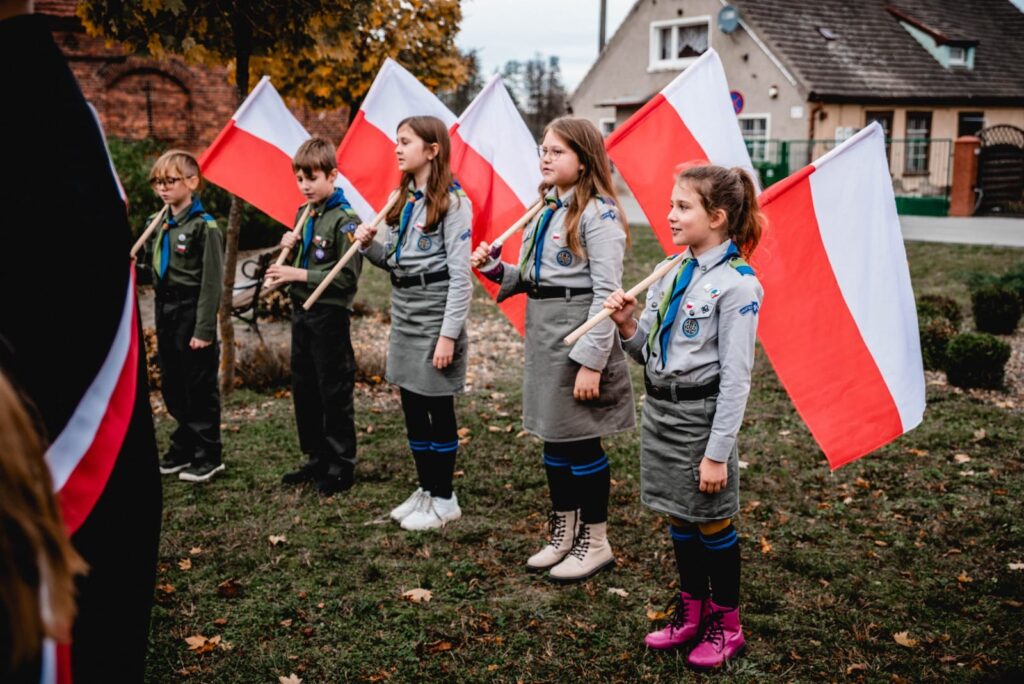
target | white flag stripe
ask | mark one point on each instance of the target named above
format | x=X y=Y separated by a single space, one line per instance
x=711 y=120
x=394 y=94
x=856 y=213
x=493 y=127
x=362 y=207
x=265 y=115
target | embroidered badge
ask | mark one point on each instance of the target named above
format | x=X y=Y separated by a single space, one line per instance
x=691 y=327
x=564 y=257
x=319 y=254
x=465 y=235
x=316 y=239
x=349 y=227
x=610 y=215
x=705 y=308
x=181 y=237
x=752 y=307
x=556 y=237
x=180 y=249
x=423 y=244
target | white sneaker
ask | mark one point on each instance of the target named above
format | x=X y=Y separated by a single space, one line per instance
x=399 y=512
x=433 y=513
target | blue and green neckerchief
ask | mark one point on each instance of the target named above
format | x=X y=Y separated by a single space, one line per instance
x=412 y=197
x=334 y=200
x=661 y=331
x=162 y=250
x=537 y=240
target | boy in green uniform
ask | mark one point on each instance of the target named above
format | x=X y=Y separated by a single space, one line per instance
x=188 y=268
x=323 y=363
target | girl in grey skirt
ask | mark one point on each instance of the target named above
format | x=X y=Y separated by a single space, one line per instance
x=695 y=338
x=426 y=252
x=570 y=261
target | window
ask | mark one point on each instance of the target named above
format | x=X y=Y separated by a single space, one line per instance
x=919 y=126
x=606 y=126
x=969 y=123
x=957 y=56
x=754 y=128
x=676 y=43
x=884 y=119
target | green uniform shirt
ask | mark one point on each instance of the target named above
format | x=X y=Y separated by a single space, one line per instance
x=196 y=260
x=331 y=238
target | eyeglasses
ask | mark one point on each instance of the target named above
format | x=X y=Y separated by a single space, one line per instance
x=553 y=152
x=168 y=182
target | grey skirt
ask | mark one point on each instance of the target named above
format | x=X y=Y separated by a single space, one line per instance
x=673 y=437
x=416 y=317
x=549 y=410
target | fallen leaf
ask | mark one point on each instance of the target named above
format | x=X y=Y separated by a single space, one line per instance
x=947 y=659
x=918 y=452
x=903 y=639
x=495 y=428
x=856 y=667
x=276 y=539
x=879 y=542
x=459 y=473
x=1016 y=566
x=290 y=679
x=464 y=432
x=654 y=615
x=765 y=546
x=229 y=588
x=169 y=588
x=185 y=564
x=220 y=622
x=979 y=434
x=201 y=644
x=618 y=592
x=287 y=622
x=862 y=483
x=492 y=667
x=438 y=647
x=961 y=458
x=744 y=465
x=963 y=577
x=418 y=595
x=785 y=432
x=1013 y=603
x=195 y=550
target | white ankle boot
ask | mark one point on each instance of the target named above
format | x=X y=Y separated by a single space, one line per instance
x=591 y=553
x=562 y=528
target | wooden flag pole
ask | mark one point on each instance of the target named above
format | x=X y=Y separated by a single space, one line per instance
x=348 y=255
x=149 y=231
x=513 y=229
x=297 y=232
x=636 y=290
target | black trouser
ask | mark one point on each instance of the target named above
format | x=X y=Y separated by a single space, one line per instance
x=188 y=380
x=323 y=379
x=433 y=439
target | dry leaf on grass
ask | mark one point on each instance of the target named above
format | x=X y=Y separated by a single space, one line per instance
x=418 y=595
x=618 y=592
x=961 y=458
x=903 y=639
x=201 y=644
x=856 y=667
x=653 y=615
x=438 y=646
x=765 y=546
x=290 y=679
x=1016 y=566
x=229 y=588
x=276 y=539
x=195 y=550
x=963 y=577
x=185 y=564
x=169 y=588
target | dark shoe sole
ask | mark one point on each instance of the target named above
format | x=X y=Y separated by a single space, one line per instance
x=574 y=580
x=332 y=488
x=170 y=470
x=186 y=477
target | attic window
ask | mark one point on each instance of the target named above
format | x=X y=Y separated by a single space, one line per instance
x=949 y=50
x=957 y=56
x=827 y=33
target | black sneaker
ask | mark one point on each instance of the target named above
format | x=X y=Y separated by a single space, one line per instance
x=201 y=471
x=307 y=472
x=173 y=461
x=337 y=479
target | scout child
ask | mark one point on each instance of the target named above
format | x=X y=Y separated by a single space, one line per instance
x=426 y=252
x=695 y=338
x=188 y=265
x=570 y=261
x=323 y=363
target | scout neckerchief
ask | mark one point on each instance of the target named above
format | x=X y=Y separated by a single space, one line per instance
x=412 y=197
x=162 y=251
x=669 y=307
x=537 y=240
x=336 y=199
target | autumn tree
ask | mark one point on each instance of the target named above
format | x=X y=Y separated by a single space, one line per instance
x=324 y=53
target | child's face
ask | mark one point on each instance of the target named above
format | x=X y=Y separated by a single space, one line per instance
x=173 y=187
x=691 y=225
x=559 y=165
x=316 y=187
x=413 y=153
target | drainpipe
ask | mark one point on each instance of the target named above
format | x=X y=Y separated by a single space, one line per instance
x=815 y=110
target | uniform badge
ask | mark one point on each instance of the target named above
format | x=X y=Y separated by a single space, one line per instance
x=316 y=239
x=424 y=243
x=705 y=308
x=180 y=249
x=691 y=327
x=181 y=237
x=751 y=308
x=465 y=235
x=564 y=257
x=319 y=254
x=690 y=309
x=556 y=237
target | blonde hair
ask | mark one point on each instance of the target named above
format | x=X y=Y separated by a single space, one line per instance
x=37 y=561
x=175 y=162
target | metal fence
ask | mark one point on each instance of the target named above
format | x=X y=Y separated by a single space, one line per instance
x=919 y=167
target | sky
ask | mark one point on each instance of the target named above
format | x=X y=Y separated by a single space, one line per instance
x=503 y=30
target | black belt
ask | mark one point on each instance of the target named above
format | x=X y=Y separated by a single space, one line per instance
x=677 y=393
x=551 y=292
x=422 y=279
x=176 y=293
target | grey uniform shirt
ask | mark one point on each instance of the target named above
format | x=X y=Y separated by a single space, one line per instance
x=599 y=269
x=713 y=335
x=445 y=247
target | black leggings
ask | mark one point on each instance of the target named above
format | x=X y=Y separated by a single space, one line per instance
x=433 y=439
x=578 y=477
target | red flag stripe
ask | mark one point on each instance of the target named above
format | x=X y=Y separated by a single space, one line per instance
x=366 y=158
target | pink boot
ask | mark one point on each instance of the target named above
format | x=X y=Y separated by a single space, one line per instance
x=684 y=625
x=721 y=640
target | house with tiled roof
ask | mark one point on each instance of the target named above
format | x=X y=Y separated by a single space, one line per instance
x=805 y=75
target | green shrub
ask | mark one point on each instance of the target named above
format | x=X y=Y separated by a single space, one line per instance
x=261 y=368
x=935 y=336
x=1014 y=279
x=996 y=309
x=939 y=306
x=976 y=360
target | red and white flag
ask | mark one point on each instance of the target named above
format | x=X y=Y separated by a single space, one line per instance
x=691 y=119
x=252 y=156
x=494 y=158
x=366 y=155
x=839 y=322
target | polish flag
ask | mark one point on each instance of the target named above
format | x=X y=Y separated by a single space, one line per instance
x=839 y=322
x=366 y=155
x=493 y=156
x=691 y=119
x=252 y=156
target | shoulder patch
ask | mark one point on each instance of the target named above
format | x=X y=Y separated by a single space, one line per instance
x=210 y=221
x=348 y=226
x=751 y=308
x=741 y=266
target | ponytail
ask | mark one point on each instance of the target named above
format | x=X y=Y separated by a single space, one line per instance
x=733 y=191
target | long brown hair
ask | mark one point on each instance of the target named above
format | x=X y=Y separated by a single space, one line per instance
x=37 y=562
x=595 y=179
x=733 y=191
x=430 y=130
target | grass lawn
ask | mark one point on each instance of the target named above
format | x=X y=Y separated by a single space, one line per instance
x=903 y=566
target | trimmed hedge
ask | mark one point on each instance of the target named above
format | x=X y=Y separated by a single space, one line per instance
x=932 y=306
x=997 y=309
x=976 y=360
x=935 y=336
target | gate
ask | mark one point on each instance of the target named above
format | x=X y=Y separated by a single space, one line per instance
x=1001 y=170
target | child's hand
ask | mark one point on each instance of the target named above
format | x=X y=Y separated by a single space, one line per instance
x=588 y=384
x=364 y=235
x=713 y=476
x=622 y=304
x=288 y=240
x=196 y=343
x=279 y=273
x=443 y=352
x=482 y=254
